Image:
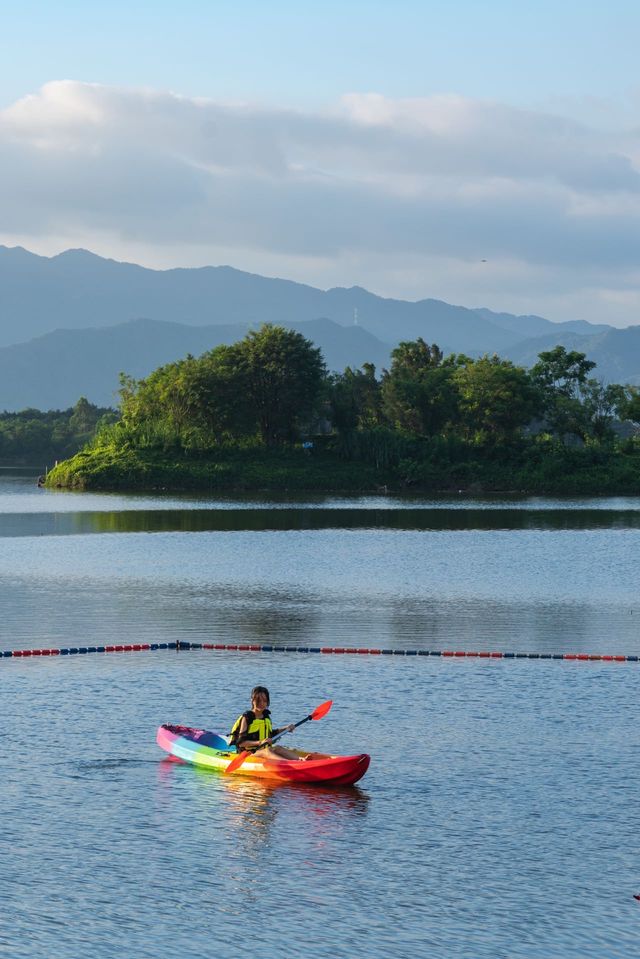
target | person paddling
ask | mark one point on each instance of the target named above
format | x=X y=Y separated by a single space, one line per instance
x=252 y=731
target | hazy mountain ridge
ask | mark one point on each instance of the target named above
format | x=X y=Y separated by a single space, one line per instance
x=78 y=289
x=615 y=352
x=70 y=323
x=52 y=371
x=538 y=326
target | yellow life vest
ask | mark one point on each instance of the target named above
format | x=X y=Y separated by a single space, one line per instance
x=257 y=729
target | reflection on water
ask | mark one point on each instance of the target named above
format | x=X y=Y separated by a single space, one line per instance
x=255 y=813
x=516 y=590
x=20 y=495
x=304 y=518
x=245 y=796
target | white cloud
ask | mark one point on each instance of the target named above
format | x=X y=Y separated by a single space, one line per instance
x=405 y=196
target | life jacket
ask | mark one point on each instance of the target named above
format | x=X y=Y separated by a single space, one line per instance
x=257 y=729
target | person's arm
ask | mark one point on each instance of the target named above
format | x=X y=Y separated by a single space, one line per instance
x=249 y=745
x=283 y=729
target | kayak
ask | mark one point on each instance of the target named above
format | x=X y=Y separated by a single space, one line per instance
x=203 y=748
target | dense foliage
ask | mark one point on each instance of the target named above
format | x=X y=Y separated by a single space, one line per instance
x=432 y=421
x=37 y=439
x=486 y=401
x=266 y=387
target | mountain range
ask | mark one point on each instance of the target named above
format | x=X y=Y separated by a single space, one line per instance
x=70 y=323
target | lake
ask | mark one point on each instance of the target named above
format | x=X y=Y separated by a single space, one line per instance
x=499 y=816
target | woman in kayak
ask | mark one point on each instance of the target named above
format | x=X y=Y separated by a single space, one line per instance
x=252 y=731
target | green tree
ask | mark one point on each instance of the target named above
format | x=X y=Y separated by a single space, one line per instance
x=35 y=437
x=83 y=419
x=30 y=438
x=419 y=392
x=355 y=398
x=62 y=436
x=601 y=406
x=283 y=374
x=191 y=402
x=216 y=388
x=560 y=376
x=630 y=408
x=497 y=398
x=268 y=384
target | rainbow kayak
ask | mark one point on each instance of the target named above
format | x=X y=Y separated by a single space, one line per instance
x=204 y=748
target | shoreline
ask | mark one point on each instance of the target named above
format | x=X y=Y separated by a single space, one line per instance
x=291 y=471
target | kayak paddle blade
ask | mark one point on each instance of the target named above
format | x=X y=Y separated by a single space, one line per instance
x=322 y=710
x=237 y=762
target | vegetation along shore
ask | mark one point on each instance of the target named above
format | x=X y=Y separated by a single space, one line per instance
x=265 y=414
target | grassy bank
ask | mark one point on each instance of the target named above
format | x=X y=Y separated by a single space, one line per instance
x=588 y=471
x=229 y=469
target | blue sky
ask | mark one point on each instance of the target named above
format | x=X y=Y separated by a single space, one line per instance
x=296 y=52
x=483 y=153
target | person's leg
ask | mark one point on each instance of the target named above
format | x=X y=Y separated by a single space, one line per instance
x=277 y=752
x=283 y=753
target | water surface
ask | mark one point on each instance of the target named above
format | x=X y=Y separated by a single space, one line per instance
x=499 y=817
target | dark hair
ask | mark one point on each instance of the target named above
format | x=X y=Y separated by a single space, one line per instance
x=260 y=689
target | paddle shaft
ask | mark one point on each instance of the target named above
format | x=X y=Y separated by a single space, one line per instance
x=274 y=739
x=238 y=761
x=318 y=713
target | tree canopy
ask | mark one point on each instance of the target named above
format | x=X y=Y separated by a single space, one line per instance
x=267 y=385
x=37 y=438
x=271 y=389
x=283 y=375
x=272 y=386
x=419 y=392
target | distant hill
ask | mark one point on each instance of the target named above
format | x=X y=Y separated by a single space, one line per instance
x=616 y=353
x=538 y=326
x=70 y=323
x=52 y=371
x=79 y=290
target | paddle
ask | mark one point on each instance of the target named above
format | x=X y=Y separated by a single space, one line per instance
x=317 y=713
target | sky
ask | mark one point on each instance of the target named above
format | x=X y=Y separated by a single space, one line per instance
x=487 y=154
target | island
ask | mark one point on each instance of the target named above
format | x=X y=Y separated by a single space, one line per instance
x=265 y=414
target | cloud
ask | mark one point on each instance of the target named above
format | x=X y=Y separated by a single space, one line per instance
x=375 y=181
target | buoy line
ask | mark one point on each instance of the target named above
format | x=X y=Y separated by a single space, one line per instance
x=334 y=650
